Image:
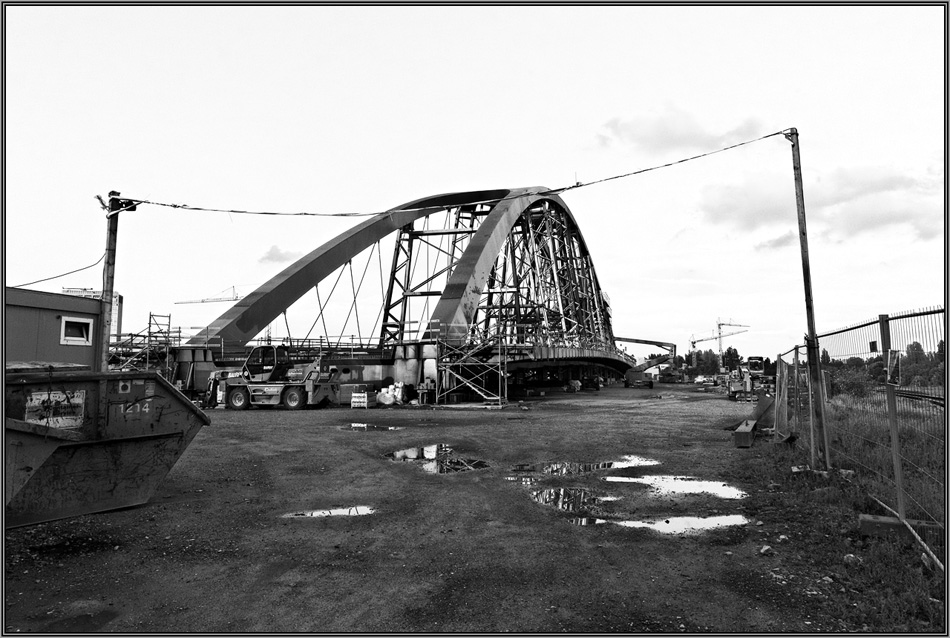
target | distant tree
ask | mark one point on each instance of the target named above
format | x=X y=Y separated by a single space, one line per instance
x=825 y=357
x=938 y=375
x=769 y=367
x=915 y=353
x=855 y=362
x=876 y=369
x=731 y=359
x=939 y=356
x=678 y=361
x=709 y=362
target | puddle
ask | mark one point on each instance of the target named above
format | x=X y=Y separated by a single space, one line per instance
x=523 y=480
x=356 y=510
x=587 y=520
x=567 y=468
x=681 y=485
x=632 y=460
x=366 y=427
x=687 y=524
x=569 y=499
x=437 y=459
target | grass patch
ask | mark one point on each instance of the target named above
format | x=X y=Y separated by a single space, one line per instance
x=876 y=584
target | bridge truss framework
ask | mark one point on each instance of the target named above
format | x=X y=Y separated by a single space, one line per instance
x=495 y=280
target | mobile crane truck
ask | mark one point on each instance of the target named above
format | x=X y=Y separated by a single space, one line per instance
x=269 y=377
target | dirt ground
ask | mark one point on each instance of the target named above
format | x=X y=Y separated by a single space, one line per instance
x=468 y=551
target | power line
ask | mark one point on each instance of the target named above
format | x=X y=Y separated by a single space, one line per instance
x=63 y=275
x=653 y=168
x=553 y=191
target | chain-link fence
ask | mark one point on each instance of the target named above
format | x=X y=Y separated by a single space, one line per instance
x=883 y=385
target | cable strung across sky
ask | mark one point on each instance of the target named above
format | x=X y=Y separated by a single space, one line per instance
x=554 y=191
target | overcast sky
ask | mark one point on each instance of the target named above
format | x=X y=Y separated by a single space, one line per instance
x=360 y=109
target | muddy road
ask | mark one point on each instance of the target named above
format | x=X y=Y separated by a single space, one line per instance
x=495 y=549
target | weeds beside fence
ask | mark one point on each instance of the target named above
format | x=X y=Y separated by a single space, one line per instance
x=884 y=416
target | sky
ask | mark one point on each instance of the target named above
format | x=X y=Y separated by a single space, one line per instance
x=360 y=109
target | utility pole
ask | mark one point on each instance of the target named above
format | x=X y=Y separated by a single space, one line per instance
x=116 y=206
x=811 y=339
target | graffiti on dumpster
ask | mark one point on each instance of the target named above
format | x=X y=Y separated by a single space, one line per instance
x=56 y=409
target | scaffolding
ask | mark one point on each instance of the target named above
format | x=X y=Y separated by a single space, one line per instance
x=147 y=350
x=479 y=366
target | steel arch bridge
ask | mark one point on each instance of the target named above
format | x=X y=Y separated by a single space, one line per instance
x=483 y=287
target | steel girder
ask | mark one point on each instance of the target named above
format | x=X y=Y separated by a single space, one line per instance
x=250 y=315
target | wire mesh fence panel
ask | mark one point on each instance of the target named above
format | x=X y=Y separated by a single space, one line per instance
x=898 y=452
x=921 y=413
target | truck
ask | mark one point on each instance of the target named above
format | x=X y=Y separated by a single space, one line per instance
x=269 y=377
x=746 y=379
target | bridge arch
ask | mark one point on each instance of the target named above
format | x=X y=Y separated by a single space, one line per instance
x=518 y=269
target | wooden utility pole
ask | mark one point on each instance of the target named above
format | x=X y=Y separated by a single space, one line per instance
x=108 y=277
x=811 y=339
x=116 y=206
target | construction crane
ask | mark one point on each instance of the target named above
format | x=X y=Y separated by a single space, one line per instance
x=234 y=297
x=719 y=324
x=719 y=336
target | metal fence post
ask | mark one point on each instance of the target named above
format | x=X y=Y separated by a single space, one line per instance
x=779 y=369
x=798 y=398
x=891 y=394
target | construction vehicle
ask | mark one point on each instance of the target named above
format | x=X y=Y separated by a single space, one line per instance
x=746 y=379
x=269 y=377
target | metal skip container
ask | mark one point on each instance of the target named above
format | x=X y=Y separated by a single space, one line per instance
x=80 y=442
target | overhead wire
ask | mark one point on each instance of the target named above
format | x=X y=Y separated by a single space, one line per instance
x=553 y=191
x=668 y=164
x=132 y=202
x=62 y=275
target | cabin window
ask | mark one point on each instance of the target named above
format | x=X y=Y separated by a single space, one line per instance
x=75 y=331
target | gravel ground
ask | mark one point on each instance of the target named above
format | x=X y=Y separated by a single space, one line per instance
x=468 y=551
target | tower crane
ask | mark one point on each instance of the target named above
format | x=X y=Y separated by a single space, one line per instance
x=719 y=336
x=234 y=297
x=719 y=324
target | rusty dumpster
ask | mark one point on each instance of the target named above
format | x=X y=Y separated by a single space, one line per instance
x=80 y=442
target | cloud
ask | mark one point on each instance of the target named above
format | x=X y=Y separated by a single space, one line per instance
x=858 y=200
x=760 y=200
x=788 y=239
x=672 y=130
x=846 y=184
x=844 y=202
x=276 y=255
x=853 y=218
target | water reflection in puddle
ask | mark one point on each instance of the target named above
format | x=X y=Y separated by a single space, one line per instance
x=587 y=520
x=681 y=485
x=523 y=480
x=437 y=459
x=356 y=510
x=366 y=427
x=687 y=524
x=569 y=499
x=566 y=468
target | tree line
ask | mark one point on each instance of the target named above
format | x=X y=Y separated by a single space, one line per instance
x=917 y=368
x=706 y=362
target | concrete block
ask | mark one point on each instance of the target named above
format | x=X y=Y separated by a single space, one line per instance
x=743 y=435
